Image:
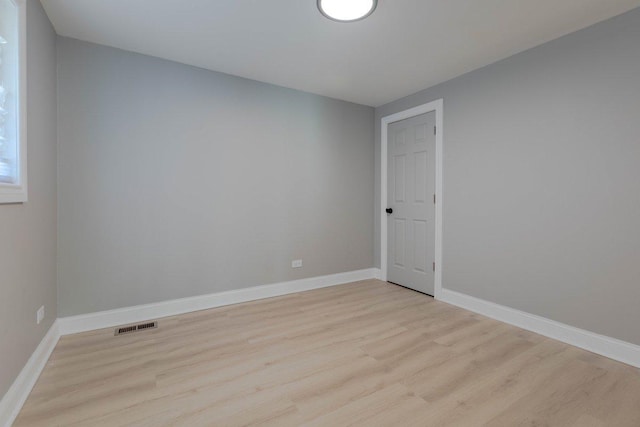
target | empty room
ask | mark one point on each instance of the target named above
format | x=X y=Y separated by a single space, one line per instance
x=320 y=213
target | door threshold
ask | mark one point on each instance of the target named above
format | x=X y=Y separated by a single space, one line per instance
x=411 y=289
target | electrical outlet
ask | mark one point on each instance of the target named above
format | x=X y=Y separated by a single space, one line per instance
x=40 y=314
x=297 y=263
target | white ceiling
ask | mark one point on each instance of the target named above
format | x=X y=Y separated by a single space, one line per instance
x=405 y=46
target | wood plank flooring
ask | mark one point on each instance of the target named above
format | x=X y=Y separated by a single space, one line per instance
x=366 y=353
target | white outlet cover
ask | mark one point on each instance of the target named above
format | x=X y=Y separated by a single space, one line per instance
x=296 y=263
x=40 y=315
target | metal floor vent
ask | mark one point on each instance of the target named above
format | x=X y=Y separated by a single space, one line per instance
x=134 y=328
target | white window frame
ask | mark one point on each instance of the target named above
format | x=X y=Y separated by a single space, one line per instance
x=17 y=193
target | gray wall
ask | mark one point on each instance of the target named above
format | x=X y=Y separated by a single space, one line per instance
x=28 y=242
x=175 y=181
x=542 y=179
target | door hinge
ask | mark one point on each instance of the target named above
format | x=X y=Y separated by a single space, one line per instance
x=434 y=199
x=434 y=266
x=435 y=130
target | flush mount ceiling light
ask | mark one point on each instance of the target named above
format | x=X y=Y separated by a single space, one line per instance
x=347 y=10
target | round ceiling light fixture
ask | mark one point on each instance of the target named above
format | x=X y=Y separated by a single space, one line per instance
x=347 y=10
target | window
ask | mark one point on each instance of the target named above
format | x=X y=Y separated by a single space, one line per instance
x=13 y=162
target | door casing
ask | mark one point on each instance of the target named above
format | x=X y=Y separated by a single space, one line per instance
x=436 y=106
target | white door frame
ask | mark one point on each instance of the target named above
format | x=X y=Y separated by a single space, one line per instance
x=436 y=106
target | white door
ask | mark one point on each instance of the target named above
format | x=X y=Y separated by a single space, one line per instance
x=411 y=202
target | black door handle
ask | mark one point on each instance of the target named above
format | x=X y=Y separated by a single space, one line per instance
x=389 y=211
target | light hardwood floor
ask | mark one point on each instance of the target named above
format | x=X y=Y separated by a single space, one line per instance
x=367 y=353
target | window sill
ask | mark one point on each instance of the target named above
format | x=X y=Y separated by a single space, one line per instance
x=12 y=194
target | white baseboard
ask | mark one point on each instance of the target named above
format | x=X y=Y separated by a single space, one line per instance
x=17 y=394
x=377 y=273
x=139 y=313
x=606 y=346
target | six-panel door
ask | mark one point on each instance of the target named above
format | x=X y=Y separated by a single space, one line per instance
x=411 y=192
